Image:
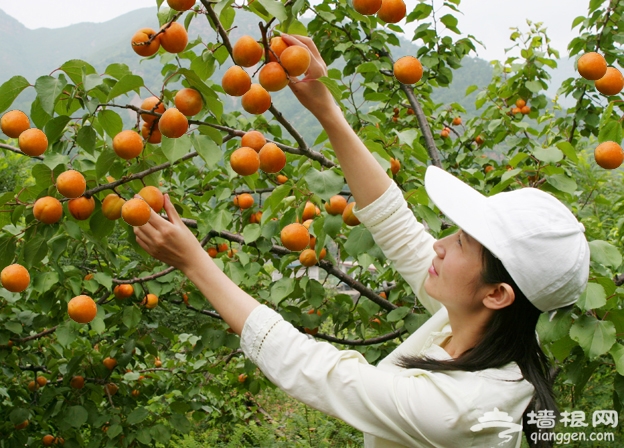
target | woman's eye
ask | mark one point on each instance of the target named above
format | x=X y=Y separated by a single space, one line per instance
x=459 y=240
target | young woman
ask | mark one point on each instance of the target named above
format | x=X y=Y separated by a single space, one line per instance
x=464 y=378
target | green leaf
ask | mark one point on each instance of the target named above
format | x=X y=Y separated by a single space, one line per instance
x=610 y=132
x=450 y=21
x=359 y=241
x=534 y=86
x=548 y=155
x=471 y=89
x=65 y=334
x=86 y=138
x=551 y=329
x=324 y=183
x=118 y=71
x=397 y=314
x=333 y=87
x=176 y=148
x=19 y=415
x=251 y=232
x=55 y=128
x=7 y=250
x=48 y=90
x=605 y=253
x=35 y=250
x=562 y=182
x=275 y=8
x=617 y=353
x=180 y=423
x=10 y=90
x=161 y=433
x=207 y=149
x=414 y=321
x=282 y=289
x=14 y=327
x=137 y=416
x=44 y=281
x=104 y=162
x=594 y=336
x=568 y=150
x=125 y=85
x=75 y=416
x=111 y=122
x=75 y=69
x=592 y=298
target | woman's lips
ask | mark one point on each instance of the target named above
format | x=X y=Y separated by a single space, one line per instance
x=432 y=271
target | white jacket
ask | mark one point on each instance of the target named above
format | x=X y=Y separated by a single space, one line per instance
x=393 y=406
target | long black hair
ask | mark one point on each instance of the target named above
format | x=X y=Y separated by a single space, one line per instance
x=509 y=337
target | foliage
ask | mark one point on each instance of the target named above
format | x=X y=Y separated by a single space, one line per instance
x=199 y=382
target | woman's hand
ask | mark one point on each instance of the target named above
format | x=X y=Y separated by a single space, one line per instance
x=312 y=94
x=169 y=241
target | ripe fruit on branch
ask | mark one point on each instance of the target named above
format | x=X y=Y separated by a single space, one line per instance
x=139 y=45
x=236 y=81
x=15 y=278
x=336 y=205
x=150 y=301
x=367 y=7
x=81 y=208
x=245 y=161
x=272 y=158
x=457 y=121
x=33 y=142
x=479 y=139
x=109 y=363
x=254 y=140
x=445 y=133
x=281 y=179
x=152 y=104
x=609 y=155
x=174 y=38
x=181 y=5
x=22 y=425
x=111 y=206
x=157 y=363
x=47 y=440
x=246 y=52
x=150 y=132
x=592 y=66
x=276 y=47
x=77 y=382
x=189 y=101
x=128 y=144
x=42 y=381
x=611 y=83
x=295 y=237
x=71 y=184
x=136 y=212
x=173 y=123
x=348 y=217
x=273 y=77
x=395 y=166
x=111 y=389
x=14 y=122
x=82 y=309
x=243 y=201
x=123 y=291
x=392 y=11
x=295 y=60
x=526 y=109
x=154 y=197
x=408 y=70
x=308 y=258
x=520 y=103
x=257 y=100
x=310 y=211
x=48 y=210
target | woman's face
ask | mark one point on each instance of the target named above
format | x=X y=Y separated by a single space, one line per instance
x=455 y=274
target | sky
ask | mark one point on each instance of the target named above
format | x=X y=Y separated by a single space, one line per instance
x=488 y=20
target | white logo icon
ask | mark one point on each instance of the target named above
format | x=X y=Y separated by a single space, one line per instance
x=498 y=419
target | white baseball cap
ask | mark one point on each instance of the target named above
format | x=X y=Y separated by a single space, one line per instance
x=539 y=241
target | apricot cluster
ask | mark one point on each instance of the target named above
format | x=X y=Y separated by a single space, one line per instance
x=390 y=11
x=256 y=154
x=16 y=124
x=172 y=37
x=607 y=80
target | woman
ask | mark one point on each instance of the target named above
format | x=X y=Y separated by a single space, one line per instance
x=466 y=376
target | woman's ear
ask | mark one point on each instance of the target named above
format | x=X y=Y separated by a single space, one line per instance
x=500 y=296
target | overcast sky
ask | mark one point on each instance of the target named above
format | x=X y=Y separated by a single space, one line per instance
x=488 y=20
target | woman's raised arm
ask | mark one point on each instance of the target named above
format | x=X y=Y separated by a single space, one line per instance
x=366 y=178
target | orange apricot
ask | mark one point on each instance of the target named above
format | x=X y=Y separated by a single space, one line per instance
x=367 y=7
x=111 y=206
x=181 y=5
x=295 y=60
x=245 y=161
x=525 y=110
x=254 y=140
x=77 y=382
x=47 y=440
x=136 y=212
x=308 y=257
x=15 y=278
x=71 y=184
x=256 y=100
x=111 y=389
x=281 y=179
x=141 y=43
x=611 y=83
x=128 y=144
x=152 y=104
x=236 y=81
x=272 y=158
x=82 y=309
x=592 y=66
x=173 y=123
x=174 y=38
x=109 y=363
x=243 y=201
x=48 y=210
x=348 y=217
x=336 y=205
x=276 y=46
x=247 y=52
x=273 y=77
x=188 y=101
x=33 y=142
x=81 y=208
x=295 y=237
x=14 y=122
x=395 y=166
x=520 y=103
x=457 y=121
x=309 y=211
x=151 y=133
x=123 y=291
x=408 y=70
x=154 y=197
x=392 y=11
x=150 y=301
x=609 y=155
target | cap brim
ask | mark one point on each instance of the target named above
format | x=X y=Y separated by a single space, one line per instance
x=461 y=203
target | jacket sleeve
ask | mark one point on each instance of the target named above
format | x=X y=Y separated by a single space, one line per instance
x=402 y=239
